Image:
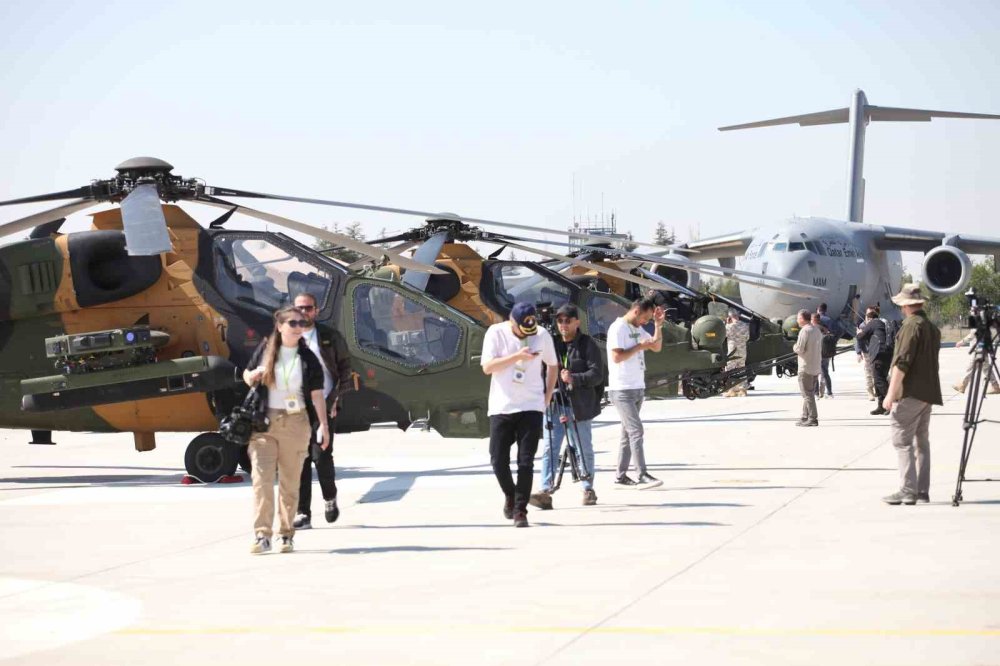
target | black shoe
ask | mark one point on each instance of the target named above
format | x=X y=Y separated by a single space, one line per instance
x=332 y=512
x=521 y=519
x=508 y=508
x=647 y=481
x=624 y=481
x=807 y=424
x=923 y=498
x=302 y=521
x=878 y=412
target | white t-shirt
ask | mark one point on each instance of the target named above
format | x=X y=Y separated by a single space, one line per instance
x=287 y=378
x=518 y=387
x=312 y=339
x=630 y=373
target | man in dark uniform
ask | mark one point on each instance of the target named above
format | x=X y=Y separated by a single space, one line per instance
x=330 y=347
x=873 y=334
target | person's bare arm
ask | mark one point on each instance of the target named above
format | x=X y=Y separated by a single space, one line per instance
x=622 y=355
x=502 y=362
x=895 y=391
x=656 y=344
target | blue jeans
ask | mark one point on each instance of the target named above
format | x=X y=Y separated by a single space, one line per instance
x=550 y=452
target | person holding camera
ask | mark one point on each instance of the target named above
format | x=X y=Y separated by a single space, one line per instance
x=329 y=346
x=513 y=354
x=874 y=335
x=581 y=383
x=290 y=380
x=628 y=342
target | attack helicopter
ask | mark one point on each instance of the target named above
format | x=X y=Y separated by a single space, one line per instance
x=141 y=323
x=486 y=288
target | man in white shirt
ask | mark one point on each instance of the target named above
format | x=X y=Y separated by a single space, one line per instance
x=513 y=354
x=809 y=348
x=628 y=342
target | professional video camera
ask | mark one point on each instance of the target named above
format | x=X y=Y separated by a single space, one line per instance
x=984 y=317
x=545 y=315
x=245 y=419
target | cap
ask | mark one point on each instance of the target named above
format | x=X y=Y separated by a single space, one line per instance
x=909 y=295
x=524 y=316
x=568 y=310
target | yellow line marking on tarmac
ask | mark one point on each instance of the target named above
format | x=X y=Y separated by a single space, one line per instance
x=845 y=632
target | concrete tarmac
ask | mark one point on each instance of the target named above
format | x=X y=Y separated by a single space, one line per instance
x=767 y=544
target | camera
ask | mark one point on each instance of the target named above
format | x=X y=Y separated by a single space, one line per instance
x=545 y=315
x=245 y=419
x=981 y=312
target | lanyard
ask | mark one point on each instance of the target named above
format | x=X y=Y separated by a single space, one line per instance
x=287 y=369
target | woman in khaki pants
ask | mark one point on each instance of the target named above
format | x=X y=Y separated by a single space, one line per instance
x=291 y=379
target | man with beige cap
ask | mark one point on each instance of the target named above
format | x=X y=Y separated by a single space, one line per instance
x=913 y=387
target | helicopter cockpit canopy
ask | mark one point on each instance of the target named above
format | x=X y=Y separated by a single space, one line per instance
x=268 y=271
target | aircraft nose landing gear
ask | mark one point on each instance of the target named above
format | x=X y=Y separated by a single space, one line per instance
x=209 y=457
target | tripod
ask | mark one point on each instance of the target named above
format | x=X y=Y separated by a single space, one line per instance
x=984 y=368
x=561 y=410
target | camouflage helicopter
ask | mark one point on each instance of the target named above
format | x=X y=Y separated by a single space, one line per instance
x=139 y=324
x=486 y=289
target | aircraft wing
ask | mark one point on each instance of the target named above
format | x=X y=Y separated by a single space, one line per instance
x=721 y=247
x=918 y=240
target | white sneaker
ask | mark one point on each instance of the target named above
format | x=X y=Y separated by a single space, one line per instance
x=647 y=481
x=287 y=544
x=302 y=522
x=261 y=545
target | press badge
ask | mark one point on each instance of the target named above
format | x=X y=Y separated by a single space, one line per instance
x=292 y=405
x=518 y=374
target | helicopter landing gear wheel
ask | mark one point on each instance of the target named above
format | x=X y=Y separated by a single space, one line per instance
x=209 y=457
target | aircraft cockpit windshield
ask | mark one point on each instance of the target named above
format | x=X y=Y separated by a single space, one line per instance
x=257 y=271
x=517 y=282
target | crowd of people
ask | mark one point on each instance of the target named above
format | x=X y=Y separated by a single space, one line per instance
x=550 y=387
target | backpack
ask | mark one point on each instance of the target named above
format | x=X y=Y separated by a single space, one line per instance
x=891 y=331
x=829 y=348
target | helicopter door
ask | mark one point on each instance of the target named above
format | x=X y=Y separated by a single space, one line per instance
x=397 y=328
x=600 y=311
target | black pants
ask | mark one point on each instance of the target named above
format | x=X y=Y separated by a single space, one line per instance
x=324 y=470
x=880 y=375
x=525 y=428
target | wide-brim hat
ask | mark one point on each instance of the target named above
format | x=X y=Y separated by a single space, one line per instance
x=909 y=295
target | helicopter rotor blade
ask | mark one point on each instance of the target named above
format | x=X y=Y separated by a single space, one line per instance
x=82 y=192
x=643 y=282
x=669 y=283
x=360 y=263
x=232 y=192
x=143 y=221
x=427 y=253
x=324 y=234
x=45 y=217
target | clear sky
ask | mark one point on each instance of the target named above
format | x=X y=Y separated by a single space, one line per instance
x=493 y=109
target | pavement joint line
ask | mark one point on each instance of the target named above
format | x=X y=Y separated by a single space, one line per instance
x=600 y=624
x=78 y=577
x=846 y=632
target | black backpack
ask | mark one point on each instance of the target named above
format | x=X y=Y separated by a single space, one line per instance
x=891 y=331
x=829 y=348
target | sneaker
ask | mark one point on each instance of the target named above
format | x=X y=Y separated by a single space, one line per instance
x=960 y=387
x=287 y=544
x=261 y=545
x=302 y=522
x=647 y=481
x=900 y=497
x=508 y=508
x=332 y=512
x=542 y=500
x=923 y=498
x=878 y=412
x=807 y=424
x=829 y=396
x=624 y=481
x=521 y=519
x=589 y=498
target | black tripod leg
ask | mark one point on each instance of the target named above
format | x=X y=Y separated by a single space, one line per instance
x=970 y=423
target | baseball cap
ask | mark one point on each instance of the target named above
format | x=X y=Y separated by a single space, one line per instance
x=568 y=310
x=524 y=316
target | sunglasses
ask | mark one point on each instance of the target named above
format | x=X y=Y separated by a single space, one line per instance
x=306 y=308
x=295 y=323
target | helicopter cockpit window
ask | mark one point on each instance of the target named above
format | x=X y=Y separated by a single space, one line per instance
x=601 y=313
x=519 y=283
x=388 y=324
x=256 y=271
